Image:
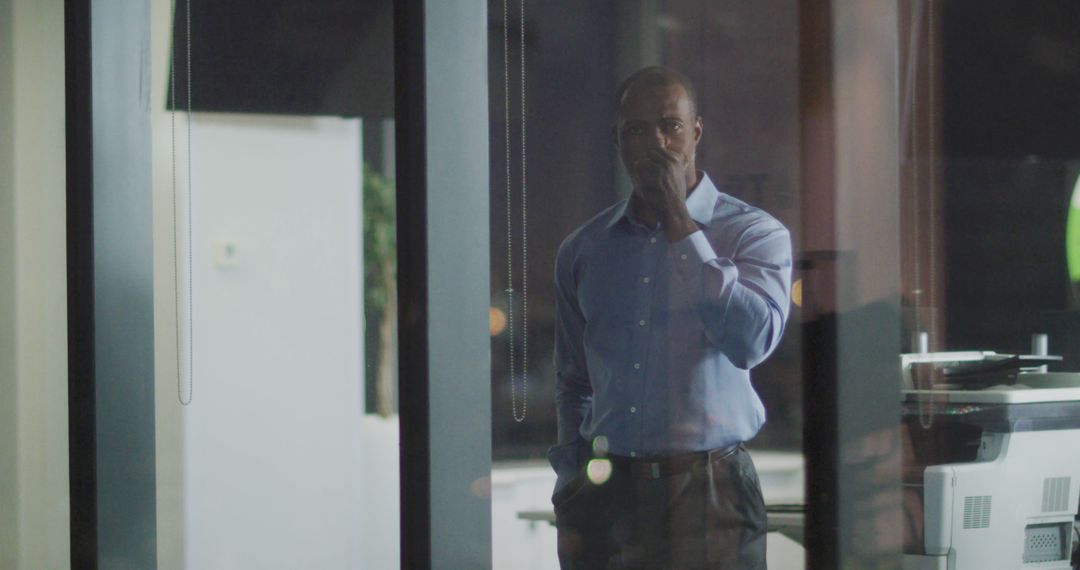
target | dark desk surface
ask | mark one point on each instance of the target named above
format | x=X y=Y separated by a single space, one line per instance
x=786 y=519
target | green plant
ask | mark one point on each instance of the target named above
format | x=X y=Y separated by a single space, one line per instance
x=380 y=281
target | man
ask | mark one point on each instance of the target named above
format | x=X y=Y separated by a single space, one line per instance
x=664 y=302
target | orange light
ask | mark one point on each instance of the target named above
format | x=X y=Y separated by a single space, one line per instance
x=496 y=321
x=796 y=292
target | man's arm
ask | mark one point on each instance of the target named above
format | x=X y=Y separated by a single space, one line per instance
x=743 y=301
x=573 y=392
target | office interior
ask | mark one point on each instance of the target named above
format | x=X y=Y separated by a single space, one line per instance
x=247 y=205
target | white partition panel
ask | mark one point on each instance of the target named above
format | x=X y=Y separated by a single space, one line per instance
x=281 y=469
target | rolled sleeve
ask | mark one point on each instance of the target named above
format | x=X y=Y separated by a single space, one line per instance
x=743 y=300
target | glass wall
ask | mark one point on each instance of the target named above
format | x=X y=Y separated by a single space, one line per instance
x=819 y=267
x=919 y=154
x=559 y=166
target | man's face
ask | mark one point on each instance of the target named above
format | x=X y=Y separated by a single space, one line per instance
x=657 y=116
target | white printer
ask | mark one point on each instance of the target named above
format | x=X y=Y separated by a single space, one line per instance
x=991 y=462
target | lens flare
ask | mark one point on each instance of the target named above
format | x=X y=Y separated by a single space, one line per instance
x=598 y=471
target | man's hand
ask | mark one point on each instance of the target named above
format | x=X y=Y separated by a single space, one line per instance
x=662 y=178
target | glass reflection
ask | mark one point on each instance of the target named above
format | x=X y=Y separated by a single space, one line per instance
x=664 y=301
x=990 y=390
x=749 y=156
x=965 y=216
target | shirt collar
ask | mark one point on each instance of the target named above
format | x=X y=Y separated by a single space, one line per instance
x=702 y=201
x=699 y=204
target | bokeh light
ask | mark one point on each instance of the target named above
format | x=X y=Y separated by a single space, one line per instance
x=496 y=321
x=598 y=471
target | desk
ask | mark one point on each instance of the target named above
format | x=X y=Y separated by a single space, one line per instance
x=786 y=519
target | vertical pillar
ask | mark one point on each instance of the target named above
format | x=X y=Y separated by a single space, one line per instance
x=443 y=271
x=113 y=354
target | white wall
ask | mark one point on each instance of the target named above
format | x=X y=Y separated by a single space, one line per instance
x=273 y=465
x=271 y=450
x=9 y=509
x=167 y=418
x=34 y=502
x=278 y=466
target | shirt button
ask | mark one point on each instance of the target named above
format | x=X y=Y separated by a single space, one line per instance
x=633 y=454
x=641 y=322
x=683 y=256
x=633 y=409
x=652 y=240
x=644 y=279
x=637 y=366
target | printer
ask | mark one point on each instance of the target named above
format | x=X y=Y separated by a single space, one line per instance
x=991 y=461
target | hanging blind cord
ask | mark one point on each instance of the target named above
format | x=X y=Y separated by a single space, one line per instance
x=176 y=260
x=519 y=416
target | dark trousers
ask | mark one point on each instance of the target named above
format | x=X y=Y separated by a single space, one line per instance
x=710 y=515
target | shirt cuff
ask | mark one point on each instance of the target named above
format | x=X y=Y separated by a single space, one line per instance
x=694 y=248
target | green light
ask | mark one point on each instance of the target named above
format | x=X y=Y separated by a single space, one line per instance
x=1072 y=234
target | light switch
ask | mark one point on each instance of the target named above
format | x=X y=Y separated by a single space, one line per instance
x=225 y=254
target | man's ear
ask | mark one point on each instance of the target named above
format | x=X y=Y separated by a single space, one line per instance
x=697 y=129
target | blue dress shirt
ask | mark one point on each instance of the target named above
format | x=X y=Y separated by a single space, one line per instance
x=654 y=340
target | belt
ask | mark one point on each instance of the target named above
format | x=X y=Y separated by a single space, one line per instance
x=671 y=465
